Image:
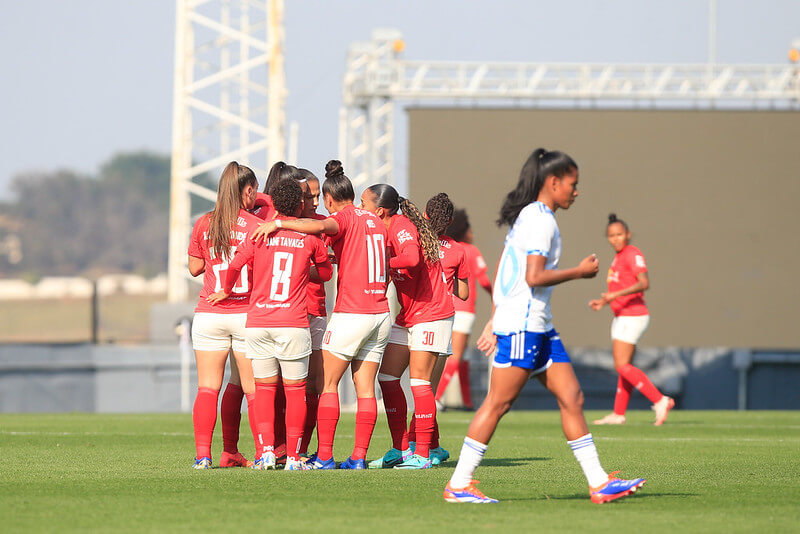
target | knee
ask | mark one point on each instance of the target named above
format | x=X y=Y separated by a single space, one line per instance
x=573 y=401
x=498 y=407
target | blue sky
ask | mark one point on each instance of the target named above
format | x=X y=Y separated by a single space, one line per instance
x=84 y=79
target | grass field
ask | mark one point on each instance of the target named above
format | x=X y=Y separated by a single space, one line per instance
x=706 y=472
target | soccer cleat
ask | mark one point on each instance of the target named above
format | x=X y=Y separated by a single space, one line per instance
x=352 y=464
x=415 y=462
x=202 y=463
x=439 y=455
x=311 y=459
x=614 y=489
x=297 y=465
x=662 y=409
x=324 y=464
x=390 y=459
x=611 y=419
x=267 y=461
x=234 y=460
x=470 y=494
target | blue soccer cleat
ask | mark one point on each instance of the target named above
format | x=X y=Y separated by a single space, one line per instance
x=614 y=489
x=323 y=464
x=470 y=494
x=415 y=462
x=439 y=455
x=202 y=463
x=390 y=459
x=352 y=464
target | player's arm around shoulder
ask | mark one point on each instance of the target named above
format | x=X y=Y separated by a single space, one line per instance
x=319 y=256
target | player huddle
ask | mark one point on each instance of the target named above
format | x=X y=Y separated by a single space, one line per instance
x=265 y=258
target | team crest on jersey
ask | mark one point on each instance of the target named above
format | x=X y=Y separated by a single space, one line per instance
x=403 y=236
x=640 y=261
x=241 y=222
x=370 y=223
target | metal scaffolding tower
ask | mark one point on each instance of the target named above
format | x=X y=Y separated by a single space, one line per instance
x=377 y=78
x=228 y=104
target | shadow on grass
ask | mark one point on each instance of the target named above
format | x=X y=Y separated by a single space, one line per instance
x=584 y=496
x=512 y=462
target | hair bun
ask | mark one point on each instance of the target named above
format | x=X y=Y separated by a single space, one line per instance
x=612 y=218
x=333 y=169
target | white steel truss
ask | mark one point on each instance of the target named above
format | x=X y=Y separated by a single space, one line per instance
x=377 y=78
x=229 y=104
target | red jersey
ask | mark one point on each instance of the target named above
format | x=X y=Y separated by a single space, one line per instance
x=214 y=276
x=315 y=290
x=477 y=274
x=454 y=262
x=421 y=290
x=264 y=209
x=281 y=273
x=360 y=248
x=627 y=265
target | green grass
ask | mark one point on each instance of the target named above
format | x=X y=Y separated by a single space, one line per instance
x=706 y=472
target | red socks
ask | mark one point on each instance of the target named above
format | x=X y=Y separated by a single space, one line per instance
x=624 y=389
x=394 y=402
x=450 y=369
x=204 y=416
x=366 y=415
x=251 y=418
x=327 y=418
x=265 y=417
x=231 y=417
x=280 y=416
x=640 y=381
x=463 y=379
x=312 y=401
x=295 y=418
x=424 y=414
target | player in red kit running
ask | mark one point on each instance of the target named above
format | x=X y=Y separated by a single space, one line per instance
x=278 y=338
x=461 y=231
x=422 y=329
x=218 y=329
x=359 y=327
x=627 y=282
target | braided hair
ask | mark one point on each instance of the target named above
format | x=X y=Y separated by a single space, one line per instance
x=387 y=197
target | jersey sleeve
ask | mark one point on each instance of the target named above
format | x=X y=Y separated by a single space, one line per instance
x=343 y=220
x=244 y=256
x=462 y=269
x=195 y=242
x=538 y=231
x=405 y=243
x=320 y=258
x=638 y=265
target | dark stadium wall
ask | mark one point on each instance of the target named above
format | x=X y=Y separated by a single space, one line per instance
x=711 y=198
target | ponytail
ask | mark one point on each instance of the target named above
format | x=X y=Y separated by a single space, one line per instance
x=234 y=179
x=280 y=171
x=612 y=218
x=537 y=168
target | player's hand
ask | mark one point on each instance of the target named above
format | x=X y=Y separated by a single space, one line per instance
x=589 y=266
x=487 y=342
x=263 y=230
x=217 y=297
x=597 y=304
x=607 y=297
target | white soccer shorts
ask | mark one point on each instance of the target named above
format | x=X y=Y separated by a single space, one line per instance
x=219 y=331
x=463 y=321
x=629 y=328
x=357 y=336
x=317 y=325
x=435 y=336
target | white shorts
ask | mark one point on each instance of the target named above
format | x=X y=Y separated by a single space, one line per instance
x=435 y=336
x=629 y=328
x=219 y=331
x=317 y=325
x=283 y=343
x=463 y=321
x=357 y=336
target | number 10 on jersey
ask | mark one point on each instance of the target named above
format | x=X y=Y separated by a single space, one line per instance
x=376 y=258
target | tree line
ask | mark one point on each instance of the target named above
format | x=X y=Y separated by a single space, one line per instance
x=71 y=224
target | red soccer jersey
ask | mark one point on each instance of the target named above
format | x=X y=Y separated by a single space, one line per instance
x=214 y=276
x=477 y=273
x=421 y=290
x=264 y=209
x=360 y=248
x=316 y=290
x=454 y=262
x=281 y=272
x=627 y=265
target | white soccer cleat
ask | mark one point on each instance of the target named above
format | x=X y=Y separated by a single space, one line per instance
x=611 y=419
